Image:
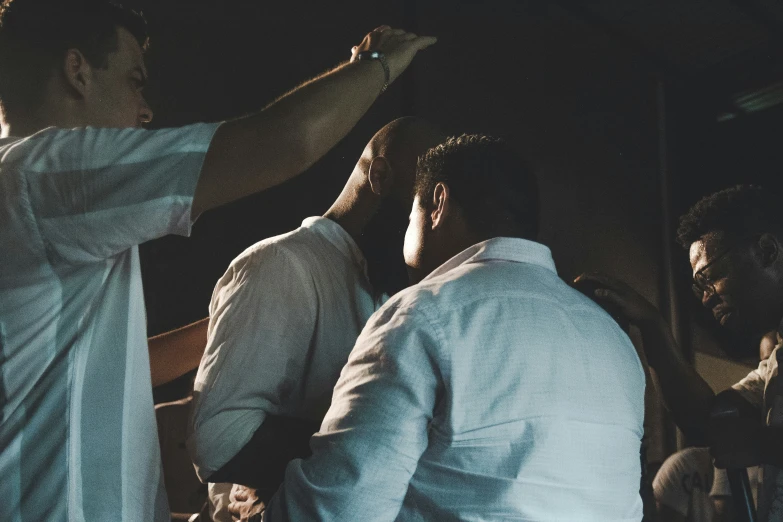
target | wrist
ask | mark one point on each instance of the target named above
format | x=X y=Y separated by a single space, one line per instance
x=380 y=58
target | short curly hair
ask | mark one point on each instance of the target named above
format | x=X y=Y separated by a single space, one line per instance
x=493 y=186
x=35 y=35
x=738 y=212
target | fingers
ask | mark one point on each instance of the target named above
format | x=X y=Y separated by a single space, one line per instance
x=422 y=42
x=386 y=36
x=398 y=46
x=605 y=281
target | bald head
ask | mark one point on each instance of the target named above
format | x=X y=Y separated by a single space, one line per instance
x=382 y=181
x=374 y=205
x=401 y=142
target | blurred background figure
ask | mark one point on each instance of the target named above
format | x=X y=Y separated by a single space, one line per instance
x=688 y=487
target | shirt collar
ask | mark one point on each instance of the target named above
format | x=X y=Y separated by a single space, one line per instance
x=511 y=249
x=338 y=237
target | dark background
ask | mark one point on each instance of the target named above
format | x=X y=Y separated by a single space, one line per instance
x=615 y=102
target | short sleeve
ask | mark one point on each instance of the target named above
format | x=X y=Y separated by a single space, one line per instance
x=751 y=388
x=95 y=192
x=262 y=319
x=668 y=483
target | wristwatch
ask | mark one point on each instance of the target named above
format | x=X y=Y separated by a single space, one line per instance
x=381 y=58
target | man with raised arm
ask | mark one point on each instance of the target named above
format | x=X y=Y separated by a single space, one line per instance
x=81 y=185
x=735 y=241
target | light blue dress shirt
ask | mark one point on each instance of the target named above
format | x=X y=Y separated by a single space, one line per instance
x=490 y=391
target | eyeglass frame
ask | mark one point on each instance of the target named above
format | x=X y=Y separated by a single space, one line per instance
x=709 y=286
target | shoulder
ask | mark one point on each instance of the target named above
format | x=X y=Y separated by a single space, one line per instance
x=411 y=312
x=275 y=261
x=753 y=387
x=54 y=149
x=688 y=460
x=417 y=299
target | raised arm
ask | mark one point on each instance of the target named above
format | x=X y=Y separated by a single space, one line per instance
x=251 y=154
x=687 y=396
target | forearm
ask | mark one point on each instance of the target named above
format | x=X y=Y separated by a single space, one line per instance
x=251 y=154
x=175 y=353
x=262 y=461
x=687 y=396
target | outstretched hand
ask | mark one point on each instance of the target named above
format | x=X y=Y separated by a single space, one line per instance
x=628 y=301
x=397 y=45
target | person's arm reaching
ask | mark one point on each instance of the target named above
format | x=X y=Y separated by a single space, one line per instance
x=376 y=428
x=175 y=353
x=95 y=192
x=251 y=154
x=686 y=394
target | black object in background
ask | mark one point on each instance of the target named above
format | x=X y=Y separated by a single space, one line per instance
x=725 y=407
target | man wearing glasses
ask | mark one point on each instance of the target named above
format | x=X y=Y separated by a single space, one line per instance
x=735 y=241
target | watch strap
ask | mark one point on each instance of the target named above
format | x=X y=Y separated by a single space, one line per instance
x=380 y=58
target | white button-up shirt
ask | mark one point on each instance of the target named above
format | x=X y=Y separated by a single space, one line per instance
x=78 y=438
x=283 y=319
x=491 y=390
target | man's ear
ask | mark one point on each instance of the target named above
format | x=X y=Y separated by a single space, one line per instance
x=769 y=249
x=381 y=176
x=77 y=72
x=441 y=205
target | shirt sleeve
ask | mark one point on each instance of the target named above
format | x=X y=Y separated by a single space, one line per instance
x=751 y=388
x=376 y=428
x=668 y=484
x=95 y=192
x=262 y=319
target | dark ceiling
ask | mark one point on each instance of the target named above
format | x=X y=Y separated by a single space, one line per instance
x=694 y=36
x=722 y=47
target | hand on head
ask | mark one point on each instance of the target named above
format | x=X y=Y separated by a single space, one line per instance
x=397 y=45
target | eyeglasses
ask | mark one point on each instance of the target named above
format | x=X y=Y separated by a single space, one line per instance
x=701 y=283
